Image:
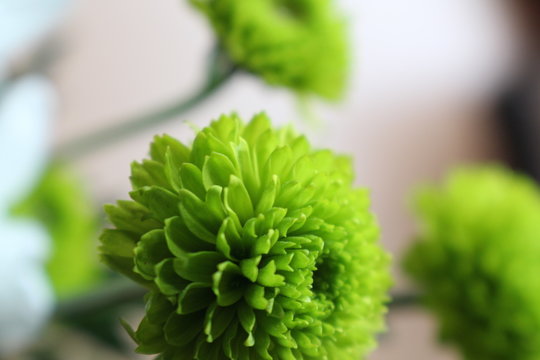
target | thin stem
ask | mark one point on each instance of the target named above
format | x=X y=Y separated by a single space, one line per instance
x=404 y=300
x=220 y=71
x=116 y=293
x=123 y=291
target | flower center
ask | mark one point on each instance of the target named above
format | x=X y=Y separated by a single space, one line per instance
x=324 y=278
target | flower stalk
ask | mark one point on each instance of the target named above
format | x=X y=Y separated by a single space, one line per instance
x=220 y=71
x=116 y=293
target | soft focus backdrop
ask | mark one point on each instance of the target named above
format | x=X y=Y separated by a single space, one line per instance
x=425 y=78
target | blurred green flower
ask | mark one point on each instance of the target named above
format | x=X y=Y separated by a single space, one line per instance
x=65 y=210
x=478 y=262
x=300 y=44
x=254 y=246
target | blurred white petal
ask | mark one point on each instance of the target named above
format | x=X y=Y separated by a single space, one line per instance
x=26 y=297
x=26 y=112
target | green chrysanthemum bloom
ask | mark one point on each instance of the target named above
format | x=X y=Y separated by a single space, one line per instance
x=300 y=44
x=478 y=262
x=61 y=205
x=254 y=246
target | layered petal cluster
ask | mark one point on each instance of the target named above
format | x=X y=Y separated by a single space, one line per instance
x=254 y=246
x=300 y=44
x=478 y=262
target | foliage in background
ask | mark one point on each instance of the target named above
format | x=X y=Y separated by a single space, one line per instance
x=254 y=246
x=60 y=203
x=300 y=44
x=478 y=262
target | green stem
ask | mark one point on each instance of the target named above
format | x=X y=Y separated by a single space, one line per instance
x=116 y=293
x=404 y=300
x=123 y=291
x=221 y=70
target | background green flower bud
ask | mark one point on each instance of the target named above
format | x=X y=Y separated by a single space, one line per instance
x=300 y=44
x=254 y=246
x=478 y=262
x=60 y=203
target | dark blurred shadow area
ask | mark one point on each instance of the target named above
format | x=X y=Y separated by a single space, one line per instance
x=518 y=109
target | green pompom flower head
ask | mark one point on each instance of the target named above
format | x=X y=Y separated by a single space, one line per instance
x=253 y=246
x=478 y=262
x=300 y=44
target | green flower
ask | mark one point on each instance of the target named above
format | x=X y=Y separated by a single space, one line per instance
x=66 y=212
x=300 y=44
x=254 y=246
x=478 y=261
